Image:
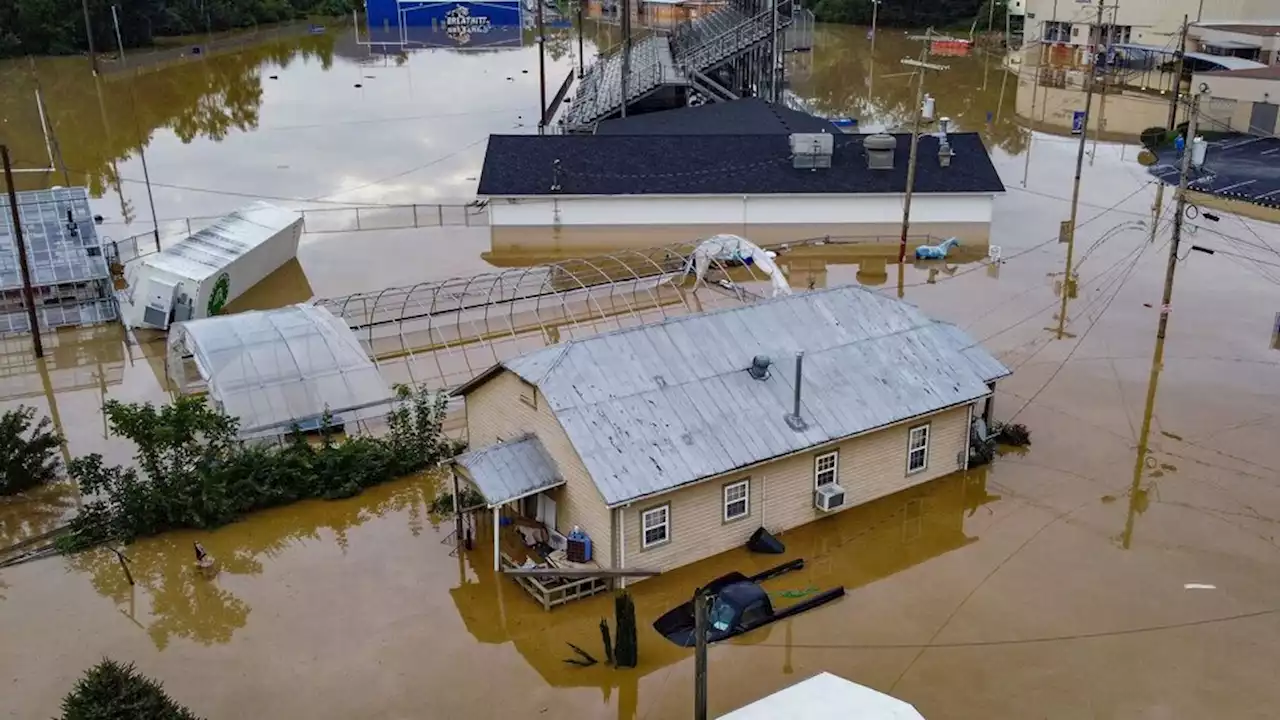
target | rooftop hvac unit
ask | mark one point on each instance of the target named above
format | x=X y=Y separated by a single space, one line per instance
x=828 y=497
x=811 y=150
x=880 y=149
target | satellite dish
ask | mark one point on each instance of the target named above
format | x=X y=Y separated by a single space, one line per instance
x=1146 y=158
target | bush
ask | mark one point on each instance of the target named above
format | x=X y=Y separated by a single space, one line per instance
x=192 y=472
x=111 y=691
x=1014 y=434
x=28 y=454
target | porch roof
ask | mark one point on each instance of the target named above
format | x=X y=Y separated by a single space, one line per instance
x=510 y=470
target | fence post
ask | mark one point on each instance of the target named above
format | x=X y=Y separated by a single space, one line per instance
x=415 y=215
x=440 y=211
x=357 y=218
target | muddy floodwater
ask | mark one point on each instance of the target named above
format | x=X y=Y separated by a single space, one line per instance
x=1097 y=574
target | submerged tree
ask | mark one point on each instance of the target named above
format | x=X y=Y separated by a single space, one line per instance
x=625 y=651
x=112 y=691
x=28 y=452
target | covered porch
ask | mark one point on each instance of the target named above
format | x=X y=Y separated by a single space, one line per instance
x=520 y=486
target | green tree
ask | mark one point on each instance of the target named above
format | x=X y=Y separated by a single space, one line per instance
x=112 y=691
x=28 y=452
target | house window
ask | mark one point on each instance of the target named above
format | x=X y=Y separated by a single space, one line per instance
x=737 y=500
x=655 y=526
x=528 y=394
x=917 y=449
x=825 y=468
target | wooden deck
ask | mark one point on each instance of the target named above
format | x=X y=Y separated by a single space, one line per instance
x=551 y=591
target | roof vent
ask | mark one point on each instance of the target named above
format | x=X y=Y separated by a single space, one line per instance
x=810 y=151
x=880 y=149
x=760 y=367
x=945 y=153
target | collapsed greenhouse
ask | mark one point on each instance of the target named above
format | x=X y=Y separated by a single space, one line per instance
x=442 y=334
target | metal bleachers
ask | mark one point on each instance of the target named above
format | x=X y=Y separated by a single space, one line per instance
x=694 y=47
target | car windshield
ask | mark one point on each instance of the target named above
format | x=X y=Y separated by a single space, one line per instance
x=722 y=614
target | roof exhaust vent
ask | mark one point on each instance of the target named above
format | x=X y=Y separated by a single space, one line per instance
x=810 y=151
x=794 y=421
x=760 y=367
x=880 y=149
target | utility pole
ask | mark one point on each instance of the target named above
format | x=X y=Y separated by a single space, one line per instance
x=542 y=70
x=923 y=65
x=875 y=12
x=88 y=33
x=1069 y=229
x=581 y=58
x=1177 y=78
x=115 y=20
x=142 y=155
x=991 y=14
x=20 y=247
x=700 y=655
x=1157 y=359
x=1035 y=91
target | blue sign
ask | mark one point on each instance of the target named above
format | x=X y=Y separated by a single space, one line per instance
x=1077 y=122
x=460 y=18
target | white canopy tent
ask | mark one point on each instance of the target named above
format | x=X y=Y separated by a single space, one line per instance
x=276 y=368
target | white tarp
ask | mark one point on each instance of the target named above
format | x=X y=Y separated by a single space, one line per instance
x=274 y=367
x=735 y=249
x=826 y=697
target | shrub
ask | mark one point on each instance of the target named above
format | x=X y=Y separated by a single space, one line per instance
x=1015 y=434
x=111 y=691
x=28 y=453
x=192 y=471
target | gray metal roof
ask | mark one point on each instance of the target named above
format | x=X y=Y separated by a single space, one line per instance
x=651 y=408
x=510 y=470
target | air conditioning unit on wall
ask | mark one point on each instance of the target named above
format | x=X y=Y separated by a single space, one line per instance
x=828 y=497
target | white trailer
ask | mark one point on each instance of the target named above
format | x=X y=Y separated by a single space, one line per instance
x=199 y=275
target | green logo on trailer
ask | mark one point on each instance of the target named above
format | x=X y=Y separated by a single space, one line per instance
x=218 y=296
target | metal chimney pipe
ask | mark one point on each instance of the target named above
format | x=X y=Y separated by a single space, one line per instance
x=799 y=374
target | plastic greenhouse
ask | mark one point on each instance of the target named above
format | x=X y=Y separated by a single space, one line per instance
x=273 y=369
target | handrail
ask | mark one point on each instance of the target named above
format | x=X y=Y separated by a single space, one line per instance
x=715 y=47
x=752 y=22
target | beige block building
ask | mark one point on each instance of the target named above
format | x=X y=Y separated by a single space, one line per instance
x=1246 y=101
x=1146 y=22
x=672 y=442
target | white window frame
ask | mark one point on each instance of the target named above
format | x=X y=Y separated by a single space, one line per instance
x=835 y=468
x=665 y=509
x=912 y=449
x=745 y=500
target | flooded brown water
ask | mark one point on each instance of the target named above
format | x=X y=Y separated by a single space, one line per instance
x=1053 y=584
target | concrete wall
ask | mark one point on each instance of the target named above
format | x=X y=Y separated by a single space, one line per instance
x=740 y=210
x=495 y=412
x=870 y=467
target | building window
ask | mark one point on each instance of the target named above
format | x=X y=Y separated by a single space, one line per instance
x=825 y=468
x=529 y=394
x=1056 y=31
x=917 y=449
x=737 y=500
x=655 y=526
